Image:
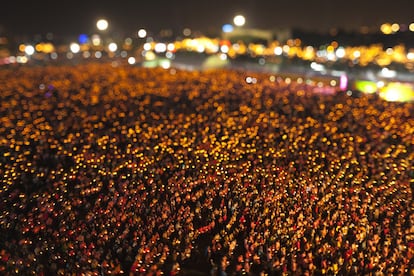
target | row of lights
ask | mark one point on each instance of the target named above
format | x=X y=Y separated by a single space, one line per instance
x=388 y=28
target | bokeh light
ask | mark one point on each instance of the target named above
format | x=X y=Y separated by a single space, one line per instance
x=395 y=27
x=278 y=50
x=96 y=40
x=75 y=48
x=112 y=47
x=397 y=92
x=187 y=32
x=131 y=60
x=142 y=33
x=343 y=82
x=386 y=28
x=83 y=38
x=227 y=28
x=366 y=86
x=239 y=20
x=340 y=52
x=102 y=24
x=29 y=50
x=160 y=48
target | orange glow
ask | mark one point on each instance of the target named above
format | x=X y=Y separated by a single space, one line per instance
x=22 y=47
x=39 y=47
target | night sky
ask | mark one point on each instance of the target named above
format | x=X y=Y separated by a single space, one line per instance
x=77 y=16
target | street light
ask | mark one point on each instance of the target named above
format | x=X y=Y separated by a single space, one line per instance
x=102 y=24
x=239 y=20
x=75 y=48
x=142 y=33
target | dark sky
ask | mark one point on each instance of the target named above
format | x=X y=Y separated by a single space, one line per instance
x=79 y=16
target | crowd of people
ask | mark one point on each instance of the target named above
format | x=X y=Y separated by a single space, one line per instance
x=112 y=170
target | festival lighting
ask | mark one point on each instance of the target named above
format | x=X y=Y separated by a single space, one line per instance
x=147 y=46
x=160 y=48
x=96 y=40
x=395 y=27
x=278 y=51
x=112 y=47
x=83 y=38
x=387 y=73
x=386 y=28
x=239 y=20
x=227 y=28
x=366 y=86
x=142 y=33
x=340 y=52
x=74 y=47
x=187 y=32
x=29 y=50
x=397 y=92
x=102 y=24
x=343 y=82
x=131 y=60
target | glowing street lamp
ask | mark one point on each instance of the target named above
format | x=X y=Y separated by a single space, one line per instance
x=239 y=20
x=112 y=47
x=142 y=33
x=102 y=24
x=75 y=48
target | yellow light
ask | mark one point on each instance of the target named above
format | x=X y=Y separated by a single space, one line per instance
x=397 y=92
x=22 y=47
x=48 y=48
x=386 y=28
x=357 y=54
x=395 y=27
x=96 y=40
x=330 y=49
x=411 y=27
x=150 y=55
x=39 y=47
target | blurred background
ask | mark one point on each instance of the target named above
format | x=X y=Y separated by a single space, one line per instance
x=368 y=46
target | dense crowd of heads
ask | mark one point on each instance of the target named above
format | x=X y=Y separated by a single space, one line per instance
x=110 y=170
